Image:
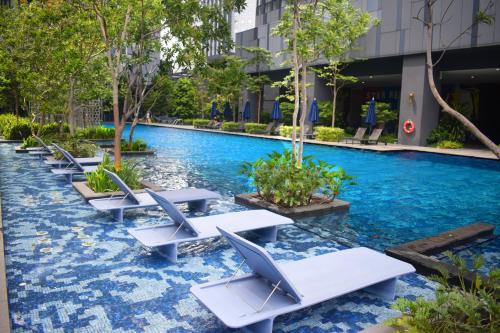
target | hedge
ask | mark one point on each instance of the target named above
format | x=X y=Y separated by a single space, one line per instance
x=254 y=128
x=230 y=126
x=330 y=134
x=96 y=133
x=286 y=131
x=446 y=144
x=14 y=128
x=200 y=122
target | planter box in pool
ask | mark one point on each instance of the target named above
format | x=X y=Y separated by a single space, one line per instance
x=88 y=194
x=318 y=205
x=133 y=153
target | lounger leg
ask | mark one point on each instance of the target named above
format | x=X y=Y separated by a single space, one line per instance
x=117 y=214
x=385 y=289
x=200 y=205
x=269 y=234
x=168 y=251
x=265 y=326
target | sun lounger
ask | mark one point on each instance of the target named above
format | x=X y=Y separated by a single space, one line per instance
x=73 y=169
x=360 y=133
x=43 y=150
x=252 y=301
x=374 y=136
x=165 y=238
x=82 y=160
x=196 y=198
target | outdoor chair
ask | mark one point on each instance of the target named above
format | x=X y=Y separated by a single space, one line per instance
x=309 y=131
x=42 y=151
x=165 y=238
x=196 y=198
x=374 y=136
x=72 y=169
x=252 y=301
x=360 y=133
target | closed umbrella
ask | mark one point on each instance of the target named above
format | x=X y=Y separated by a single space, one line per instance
x=246 y=112
x=314 y=112
x=228 y=113
x=213 y=110
x=276 y=114
x=371 y=118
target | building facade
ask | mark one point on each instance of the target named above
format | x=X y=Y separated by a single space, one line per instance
x=393 y=69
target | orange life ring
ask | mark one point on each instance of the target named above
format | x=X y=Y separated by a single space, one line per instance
x=408 y=127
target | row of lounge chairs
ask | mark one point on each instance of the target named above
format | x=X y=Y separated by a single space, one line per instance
x=168 y=120
x=252 y=300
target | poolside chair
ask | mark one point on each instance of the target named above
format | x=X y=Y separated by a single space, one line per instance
x=196 y=198
x=252 y=301
x=165 y=238
x=374 y=136
x=42 y=151
x=64 y=162
x=360 y=133
x=73 y=169
x=309 y=131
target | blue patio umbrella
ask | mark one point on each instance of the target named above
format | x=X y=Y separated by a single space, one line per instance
x=228 y=113
x=371 y=118
x=213 y=110
x=314 y=112
x=246 y=111
x=276 y=114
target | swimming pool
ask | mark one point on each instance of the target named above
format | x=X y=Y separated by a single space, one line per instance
x=399 y=196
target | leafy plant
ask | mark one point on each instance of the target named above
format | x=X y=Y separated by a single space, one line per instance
x=14 y=128
x=53 y=129
x=278 y=179
x=286 y=131
x=383 y=112
x=446 y=144
x=29 y=142
x=187 y=121
x=96 y=133
x=77 y=148
x=254 y=128
x=450 y=129
x=98 y=181
x=388 y=138
x=184 y=99
x=330 y=134
x=200 y=122
x=137 y=145
x=456 y=309
x=230 y=126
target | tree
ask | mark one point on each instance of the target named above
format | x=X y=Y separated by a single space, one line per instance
x=185 y=99
x=428 y=21
x=259 y=58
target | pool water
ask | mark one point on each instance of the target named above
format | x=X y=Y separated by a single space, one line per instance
x=399 y=196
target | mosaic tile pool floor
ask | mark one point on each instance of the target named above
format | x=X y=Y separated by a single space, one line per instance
x=72 y=269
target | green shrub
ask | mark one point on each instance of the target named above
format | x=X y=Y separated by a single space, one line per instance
x=449 y=144
x=330 y=134
x=265 y=117
x=254 y=128
x=278 y=180
x=137 y=145
x=77 y=148
x=29 y=142
x=460 y=308
x=53 y=129
x=96 y=133
x=187 y=121
x=389 y=138
x=230 y=126
x=450 y=129
x=98 y=181
x=286 y=131
x=383 y=112
x=200 y=122
x=14 y=128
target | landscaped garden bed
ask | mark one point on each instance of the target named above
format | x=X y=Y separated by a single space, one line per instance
x=88 y=194
x=136 y=148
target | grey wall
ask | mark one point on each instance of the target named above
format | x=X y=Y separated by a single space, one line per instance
x=398 y=33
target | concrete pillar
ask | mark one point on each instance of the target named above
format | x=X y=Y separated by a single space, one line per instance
x=422 y=109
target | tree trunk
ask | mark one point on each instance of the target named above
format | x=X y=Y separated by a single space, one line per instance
x=334 y=100
x=42 y=122
x=446 y=108
x=71 y=107
x=118 y=127
x=135 y=121
x=303 y=84
x=16 y=99
x=296 y=82
x=259 y=99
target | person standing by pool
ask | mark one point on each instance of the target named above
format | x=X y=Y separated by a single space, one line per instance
x=148 y=117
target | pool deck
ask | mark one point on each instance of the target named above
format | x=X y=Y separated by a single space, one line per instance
x=465 y=152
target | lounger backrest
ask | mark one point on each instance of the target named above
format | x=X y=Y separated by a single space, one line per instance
x=40 y=141
x=360 y=133
x=261 y=262
x=69 y=157
x=122 y=186
x=174 y=213
x=375 y=134
x=269 y=127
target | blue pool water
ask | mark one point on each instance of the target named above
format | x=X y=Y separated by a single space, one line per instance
x=398 y=197
x=72 y=269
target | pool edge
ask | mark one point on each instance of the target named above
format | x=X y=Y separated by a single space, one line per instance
x=4 y=301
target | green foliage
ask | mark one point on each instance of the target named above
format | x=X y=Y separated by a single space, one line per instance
x=255 y=128
x=187 y=121
x=286 y=131
x=98 y=181
x=446 y=144
x=96 y=133
x=455 y=309
x=137 y=145
x=200 y=122
x=383 y=112
x=230 y=126
x=29 y=142
x=159 y=100
x=14 y=128
x=278 y=180
x=330 y=134
x=53 y=129
x=184 y=103
x=77 y=148
x=389 y=138
x=450 y=129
